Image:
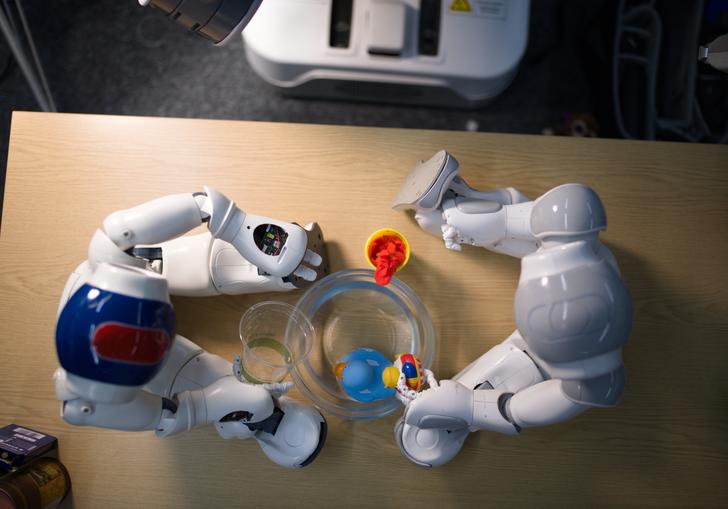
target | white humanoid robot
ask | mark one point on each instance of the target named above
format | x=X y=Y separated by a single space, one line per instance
x=123 y=367
x=572 y=311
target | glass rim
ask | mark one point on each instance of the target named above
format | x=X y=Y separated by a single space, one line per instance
x=295 y=319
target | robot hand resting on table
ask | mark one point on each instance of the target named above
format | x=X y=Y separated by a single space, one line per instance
x=122 y=366
x=572 y=311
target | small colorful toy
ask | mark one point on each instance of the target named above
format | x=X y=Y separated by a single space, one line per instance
x=387 y=251
x=407 y=377
x=360 y=375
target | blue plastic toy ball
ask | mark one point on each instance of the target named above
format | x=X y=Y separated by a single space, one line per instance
x=361 y=379
x=357 y=375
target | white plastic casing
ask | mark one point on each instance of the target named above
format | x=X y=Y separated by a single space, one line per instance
x=454 y=406
x=476 y=229
x=200 y=266
x=487 y=413
x=131 y=281
x=186 y=265
x=504 y=230
x=283 y=264
x=229 y=223
x=233 y=274
x=542 y=404
x=102 y=249
x=505 y=366
x=479 y=49
x=141 y=413
x=386 y=28
x=154 y=221
x=297 y=436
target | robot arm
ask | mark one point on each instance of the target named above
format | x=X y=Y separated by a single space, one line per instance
x=445 y=205
x=541 y=405
x=195 y=388
x=454 y=406
x=122 y=366
x=243 y=253
x=488 y=224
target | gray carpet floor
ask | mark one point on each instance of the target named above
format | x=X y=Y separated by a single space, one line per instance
x=114 y=57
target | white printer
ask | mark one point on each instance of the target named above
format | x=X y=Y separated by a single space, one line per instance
x=458 y=53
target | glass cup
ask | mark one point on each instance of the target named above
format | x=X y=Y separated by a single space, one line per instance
x=276 y=336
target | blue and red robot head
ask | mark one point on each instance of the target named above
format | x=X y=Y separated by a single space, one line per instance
x=112 y=332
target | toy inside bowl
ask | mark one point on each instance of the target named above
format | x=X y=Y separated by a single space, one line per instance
x=349 y=311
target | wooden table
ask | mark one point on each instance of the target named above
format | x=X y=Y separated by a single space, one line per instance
x=665 y=445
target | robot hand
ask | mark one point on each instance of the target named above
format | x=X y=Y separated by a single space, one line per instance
x=447 y=406
x=453 y=406
x=445 y=205
x=436 y=424
x=433 y=222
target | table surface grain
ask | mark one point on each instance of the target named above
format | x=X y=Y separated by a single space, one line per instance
x=665 y=445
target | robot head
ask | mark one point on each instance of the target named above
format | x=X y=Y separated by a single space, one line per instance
x=117 y=328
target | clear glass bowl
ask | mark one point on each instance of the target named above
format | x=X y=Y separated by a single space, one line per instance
x=348 y=310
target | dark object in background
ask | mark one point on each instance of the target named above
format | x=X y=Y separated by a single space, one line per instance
x=661 y=91
x=580 y=125
x=215 y=20
x=19 y=445
x=41 y=485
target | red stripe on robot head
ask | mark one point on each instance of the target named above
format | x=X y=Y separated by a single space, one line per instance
x=127 y=343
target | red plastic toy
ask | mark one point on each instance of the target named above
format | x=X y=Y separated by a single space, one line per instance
x=388 y=253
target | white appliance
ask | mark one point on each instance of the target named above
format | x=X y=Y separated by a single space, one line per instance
x=459 y=53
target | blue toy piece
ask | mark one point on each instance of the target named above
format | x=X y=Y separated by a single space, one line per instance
x=360 y=375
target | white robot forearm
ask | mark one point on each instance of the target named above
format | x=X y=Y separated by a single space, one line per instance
x=446 y=206
x=541 y=405
x=500 y=228
x=155 y=221
x=200 y=265
x=252 y=254
x=273 y=247
x=454 y=406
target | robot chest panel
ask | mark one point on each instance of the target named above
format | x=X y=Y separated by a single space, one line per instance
x=579 y=313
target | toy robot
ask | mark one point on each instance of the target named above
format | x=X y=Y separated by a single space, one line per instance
x=123 y=367
x=407 y=377
x=572 y=311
